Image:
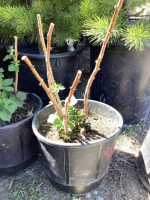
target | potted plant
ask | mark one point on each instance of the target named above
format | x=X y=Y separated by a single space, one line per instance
x=124 y=78
x=18 y=145
x=82 y=165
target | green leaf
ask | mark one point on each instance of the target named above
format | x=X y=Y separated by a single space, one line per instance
x=10 y=50
x=8 y=82
x=7 y=57
x=1 y=81
x=65 y=136
x=7 y=101
x=19 y=104
x=4 y=94
x=21 y=96
x=8 y=93
x=1 y=70
x=81 y=117
x=57 y=87
x=1 y=75
x=13 y=97
x=70 y=125
x=57 y=122
x=5 y=115
x=13 y=68
x=59 y=127
x=9 y=89
x=80 y=112
x=1 y=104
x=11 y=107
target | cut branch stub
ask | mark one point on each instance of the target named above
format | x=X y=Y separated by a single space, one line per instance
x=41 y=33
x=16 y=56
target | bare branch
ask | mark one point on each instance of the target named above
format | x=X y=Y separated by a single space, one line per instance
x=72 y=89
x=98 y=61
x=16 y=55
x=47 y=90
x=49 y=68
x=41 y=33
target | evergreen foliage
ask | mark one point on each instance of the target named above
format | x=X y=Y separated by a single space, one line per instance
x=135 y=35
x=73 y=18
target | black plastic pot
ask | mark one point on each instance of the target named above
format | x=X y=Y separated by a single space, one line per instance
x=123 y=81
x=18 y=144
x=77 y=167
x=143 y=162
x=64 y=67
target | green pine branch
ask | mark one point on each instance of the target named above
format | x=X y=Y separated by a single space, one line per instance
x=73 y=18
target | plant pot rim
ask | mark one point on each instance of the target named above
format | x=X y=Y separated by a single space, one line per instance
x=24 y=120
x=48 y=141
x=59 y=55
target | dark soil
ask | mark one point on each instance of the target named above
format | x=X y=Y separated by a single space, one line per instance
x=19 y=114
x=97 y=128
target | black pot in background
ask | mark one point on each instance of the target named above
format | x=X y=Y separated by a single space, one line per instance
x=123 y=81
x=64 y=66
x=77 y=167
x=18 y=144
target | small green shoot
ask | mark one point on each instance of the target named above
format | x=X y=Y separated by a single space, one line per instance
x=75 y=118
x=57 y=87
x=8 y=101
x=14 y=66
x=31 y=112
x=130 y=129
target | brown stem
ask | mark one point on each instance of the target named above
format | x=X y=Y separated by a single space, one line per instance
x=47 y=59
x=98 y=61
x=42 y=83
x=50 y=76
x=49 y=68
x=41 y=33
x=16 y=73
x=72 y=89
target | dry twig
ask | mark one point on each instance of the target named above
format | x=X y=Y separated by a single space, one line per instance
x=49 y=68
x=50 y=76
x=72 y=89
x=47 y=90
x=41 y=33
x=11 y=183
x=16 y=74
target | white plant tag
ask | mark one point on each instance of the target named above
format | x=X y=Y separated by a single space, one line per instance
x=70 y=44
x=51 y=118
x=73 y=101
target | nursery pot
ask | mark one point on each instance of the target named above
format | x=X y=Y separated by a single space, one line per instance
x=18 y=144
x=77 y=167
x=64 y=67
x=143 y=162
x=123 y=81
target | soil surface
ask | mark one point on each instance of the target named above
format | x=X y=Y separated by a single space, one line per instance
x=121 y=183
x=96 y=128
x=19 y=114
